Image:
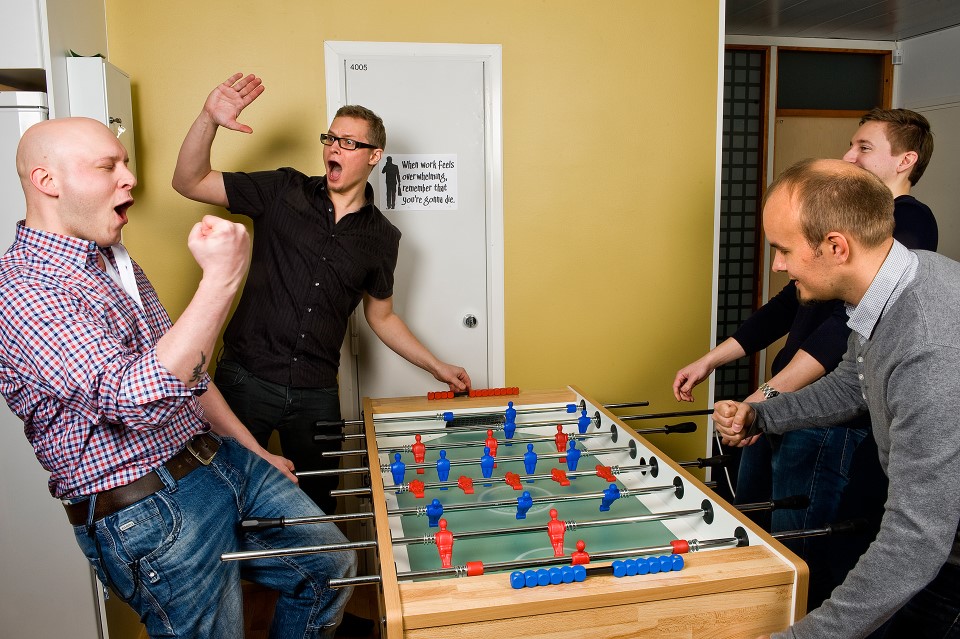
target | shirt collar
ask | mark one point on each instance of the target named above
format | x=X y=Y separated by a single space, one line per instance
x=368 y=195
x=62 y=249
x=898 y=269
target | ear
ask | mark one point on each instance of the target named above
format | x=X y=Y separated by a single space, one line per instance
x=907 y=161
x=43 y=181
x=375 y=157
x=838 y=247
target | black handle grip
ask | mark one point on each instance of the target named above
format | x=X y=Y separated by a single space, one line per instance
x=793 y=502
x=261 y=524
x=328 y=438
x=331 y=424
x=684 y=427
x=848 y=527
x=716 y=460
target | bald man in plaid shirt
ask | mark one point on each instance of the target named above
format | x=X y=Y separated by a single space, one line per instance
x=154 y=471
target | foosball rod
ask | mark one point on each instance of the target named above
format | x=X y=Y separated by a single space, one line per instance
x=791 y=503
x=421 y=511
x=693 y=545
x=705 y=511
x=653 y=468
x=683 y=427
x=449 y=415
x=478 y=568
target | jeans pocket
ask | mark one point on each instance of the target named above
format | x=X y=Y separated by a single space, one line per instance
x=146 y=529
x=229 y=374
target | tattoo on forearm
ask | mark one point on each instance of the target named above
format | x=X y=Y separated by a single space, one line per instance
x=199 y=368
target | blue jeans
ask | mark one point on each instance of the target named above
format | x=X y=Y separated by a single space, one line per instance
x=263 y=407
x=814 y=462
x=163 y=552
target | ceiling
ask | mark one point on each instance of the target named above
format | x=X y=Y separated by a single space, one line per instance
x=885 y=20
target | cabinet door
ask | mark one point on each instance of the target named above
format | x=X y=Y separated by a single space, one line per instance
x=20 y=43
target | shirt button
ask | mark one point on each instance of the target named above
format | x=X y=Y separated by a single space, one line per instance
x=860 y=359
x=316 y=283
x=860 y=375
x=309 y=310
x=294 y=359
x=324 y=259
x=302 y=335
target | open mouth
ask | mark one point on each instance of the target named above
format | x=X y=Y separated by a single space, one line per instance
x=334 y=170
x=121 y=209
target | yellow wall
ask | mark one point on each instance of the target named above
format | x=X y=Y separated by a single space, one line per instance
x=609 y=118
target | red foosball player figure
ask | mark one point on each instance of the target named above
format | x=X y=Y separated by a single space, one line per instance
x=580 y=556
x=561 y=439
x=444 y=541
x=491 y=442
x=419 y=452
x=556 y=530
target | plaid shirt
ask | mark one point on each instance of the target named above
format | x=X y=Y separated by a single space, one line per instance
x=79 y=367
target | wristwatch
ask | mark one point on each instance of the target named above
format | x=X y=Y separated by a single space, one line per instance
x=768 y=391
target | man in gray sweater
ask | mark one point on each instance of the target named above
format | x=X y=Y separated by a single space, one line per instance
x=831 y=225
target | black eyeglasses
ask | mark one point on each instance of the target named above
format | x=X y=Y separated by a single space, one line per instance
x=346 y=144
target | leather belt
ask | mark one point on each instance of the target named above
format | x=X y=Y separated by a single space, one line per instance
x=199 y=451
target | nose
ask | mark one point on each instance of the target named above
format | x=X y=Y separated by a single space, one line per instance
x=779 y=265
x=127 y=179
x=850 y=155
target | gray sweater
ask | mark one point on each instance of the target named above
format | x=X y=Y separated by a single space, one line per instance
x=908 y=376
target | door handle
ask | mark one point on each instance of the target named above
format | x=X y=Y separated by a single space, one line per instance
x=470 y=321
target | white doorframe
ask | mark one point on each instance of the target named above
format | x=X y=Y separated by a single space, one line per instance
x=491 y=55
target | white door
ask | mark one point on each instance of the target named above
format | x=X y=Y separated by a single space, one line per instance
x=448 y=281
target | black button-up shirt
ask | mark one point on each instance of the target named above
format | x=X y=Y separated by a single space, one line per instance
x=307 y=274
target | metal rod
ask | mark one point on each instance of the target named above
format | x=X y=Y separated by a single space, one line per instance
x=260 y=523
x=683 y=413
x=293 y=552
x=570 y=525
x=421 y=511
x=626 y=405
x=461 y=571
x=485 y=427
x=614 y=470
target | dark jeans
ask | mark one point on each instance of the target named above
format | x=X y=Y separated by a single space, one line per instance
x=264 y=407
x=815 y=462
x=933 y=613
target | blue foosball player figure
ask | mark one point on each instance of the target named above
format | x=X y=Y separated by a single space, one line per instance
x=530 y=461
x=573 y=456
x=486 y=463
x=583 y=422
x=524 y=502
x=510 y=422
x=434 y=512
x=443 y=468
x=397 y=469
x=610 y=494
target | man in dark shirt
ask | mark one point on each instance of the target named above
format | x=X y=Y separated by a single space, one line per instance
x=320 y=246
x=822 y=463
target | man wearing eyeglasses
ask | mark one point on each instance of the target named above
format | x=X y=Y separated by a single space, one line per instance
x=320 y=246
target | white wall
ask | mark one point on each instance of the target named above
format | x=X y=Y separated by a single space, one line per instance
x=929 y=84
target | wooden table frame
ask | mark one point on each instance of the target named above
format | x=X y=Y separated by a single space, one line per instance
x=735 y=593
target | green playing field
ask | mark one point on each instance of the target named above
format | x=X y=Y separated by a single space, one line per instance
x=502 y=544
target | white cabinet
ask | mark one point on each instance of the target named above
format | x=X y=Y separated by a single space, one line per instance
x=21 y=46
x=101 y=91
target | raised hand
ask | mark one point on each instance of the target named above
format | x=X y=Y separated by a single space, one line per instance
x=225 y=103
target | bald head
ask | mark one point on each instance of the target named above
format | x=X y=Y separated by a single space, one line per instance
x=53 y=142
x=833 y=195
x=75 y=179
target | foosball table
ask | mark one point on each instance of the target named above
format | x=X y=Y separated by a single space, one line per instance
x=576 y=527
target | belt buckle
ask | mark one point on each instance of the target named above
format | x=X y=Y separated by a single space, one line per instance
x=200 y=458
